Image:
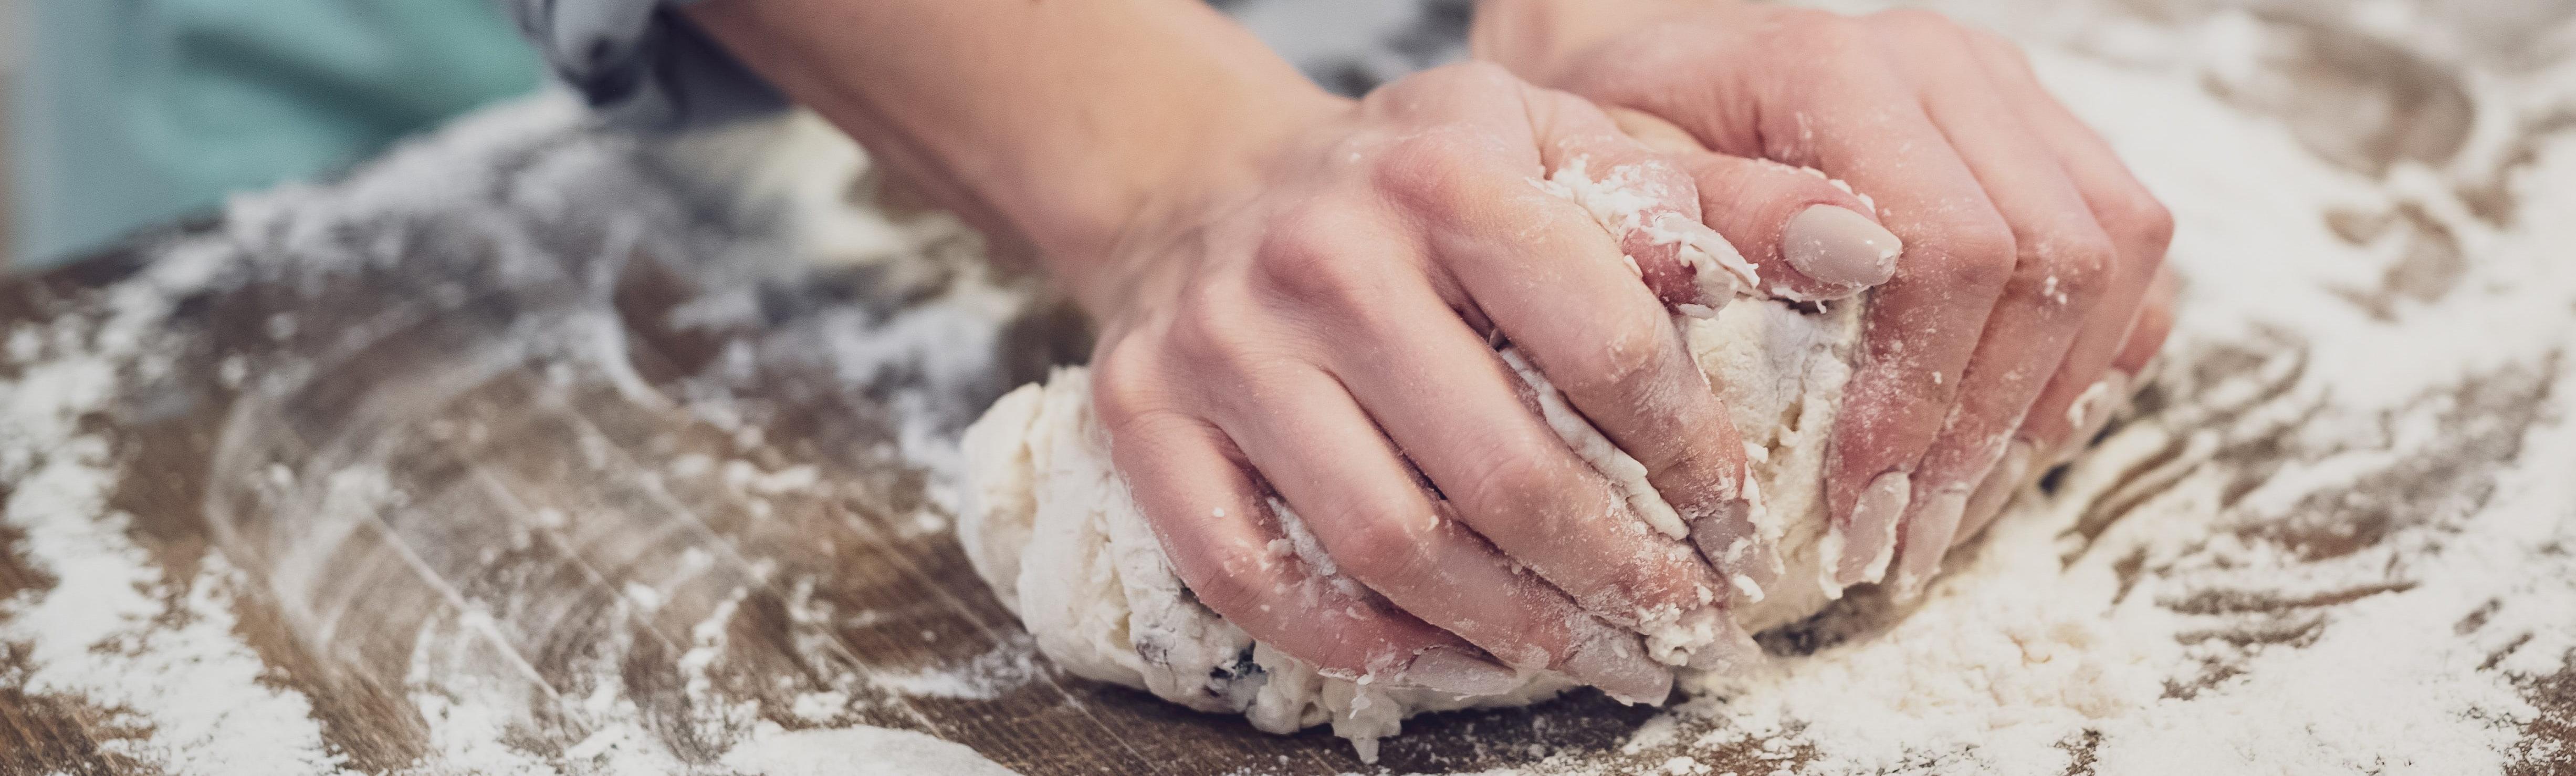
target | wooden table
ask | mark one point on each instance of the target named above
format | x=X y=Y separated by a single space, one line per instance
x=462 y=437
x=439 y=479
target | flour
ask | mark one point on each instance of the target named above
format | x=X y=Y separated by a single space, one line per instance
x=2339 y=543
x=2127 y=657
x=159 y=654
x=2336 y=542
x=986 y=677
x=1051 y=526
x=855 y=751
x=1619 y=201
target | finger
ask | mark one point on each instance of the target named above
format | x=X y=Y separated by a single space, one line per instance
x=1829 y=99
x=1193 y=489
x=2061 y=257
x=1438 y=390
x=1348 y=489
x=1697 y=454
x=2155 y=323
x=1539 y=269
x=1640 y=197
x=1811 y=238
x=2139 y=227
x=1850 y=115
x=2023 y=463
x=2095 y=406
x=1644 y=199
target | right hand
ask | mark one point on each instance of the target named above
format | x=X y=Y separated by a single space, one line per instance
x=1315 y=322
x=2030 y=250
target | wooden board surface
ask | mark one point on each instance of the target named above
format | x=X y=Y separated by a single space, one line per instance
x=434 y=455
x=407 y=483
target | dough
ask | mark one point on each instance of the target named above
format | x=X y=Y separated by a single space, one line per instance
x=1051 y=526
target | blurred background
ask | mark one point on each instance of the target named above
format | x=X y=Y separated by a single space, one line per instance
x=122 y=114
x=126 y=115
x=13 y=27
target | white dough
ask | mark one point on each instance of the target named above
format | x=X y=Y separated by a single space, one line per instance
x=1052 y=527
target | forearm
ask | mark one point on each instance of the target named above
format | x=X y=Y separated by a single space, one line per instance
x=1062 y=121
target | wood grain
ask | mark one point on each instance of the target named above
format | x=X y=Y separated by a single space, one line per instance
x=463 y=455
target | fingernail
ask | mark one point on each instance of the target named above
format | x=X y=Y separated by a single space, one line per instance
x=1836 y=245
x=2092 y=410
x=1869 y=537
x=1712 y=286
x=1734 y=652
x=1998 y=489
x=1927 y=539
x=1613 y=661
x=1454 y=671
x=1731 y=541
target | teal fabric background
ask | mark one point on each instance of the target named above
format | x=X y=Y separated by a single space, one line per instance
x=134 y=112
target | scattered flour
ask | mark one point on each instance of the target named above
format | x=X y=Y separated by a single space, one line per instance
x=158 y=654
x=855 y=751
x=2204 y=630
x=2340 y=541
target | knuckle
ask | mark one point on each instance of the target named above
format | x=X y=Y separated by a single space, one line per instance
x=1995 y=42
x=1916 y=22
x=2142 y=220
x=1430 y=169
x=2071 y=268
x=1823 y=36
x=1308 y=257
x=1228 y=594
x=1631 y=354
x=1123 y=387
x=1513 y=485
x=1473 y=74
x=1380 y=548
x=1974 y=255
x=1214 y=326
x=1715 y=469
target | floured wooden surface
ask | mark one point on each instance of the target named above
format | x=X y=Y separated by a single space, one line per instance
x=482 y=507
x=526 y=453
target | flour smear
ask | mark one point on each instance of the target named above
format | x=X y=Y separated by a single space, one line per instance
x=2336 y=539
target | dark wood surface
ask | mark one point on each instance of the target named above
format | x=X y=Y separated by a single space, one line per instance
x=522 y=484
x=445 y=443
x=522 y=496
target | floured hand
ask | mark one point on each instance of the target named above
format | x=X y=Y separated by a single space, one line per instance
x=2028 y=248
x=1326 y=320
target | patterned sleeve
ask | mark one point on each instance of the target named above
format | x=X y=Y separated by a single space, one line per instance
x=642 y=65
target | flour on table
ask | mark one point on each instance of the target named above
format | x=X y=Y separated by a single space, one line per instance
x=855 y=751
x=2340 y=545
x=2336 y=541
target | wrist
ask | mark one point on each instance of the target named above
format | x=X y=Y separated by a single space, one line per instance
x=1080 y=211
x=1115 y=260
x=1053 y=123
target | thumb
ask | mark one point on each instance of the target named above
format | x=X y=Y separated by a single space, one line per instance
x=1645 y=198
x=1808 y=237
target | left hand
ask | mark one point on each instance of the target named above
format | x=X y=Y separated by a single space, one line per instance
x=2028 y=248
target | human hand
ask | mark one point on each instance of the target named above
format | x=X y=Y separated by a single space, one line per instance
x=1325 y=314
x=1296 y=285
x=2029 y=248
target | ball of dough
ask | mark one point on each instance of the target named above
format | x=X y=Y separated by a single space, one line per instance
x=1051 y=526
